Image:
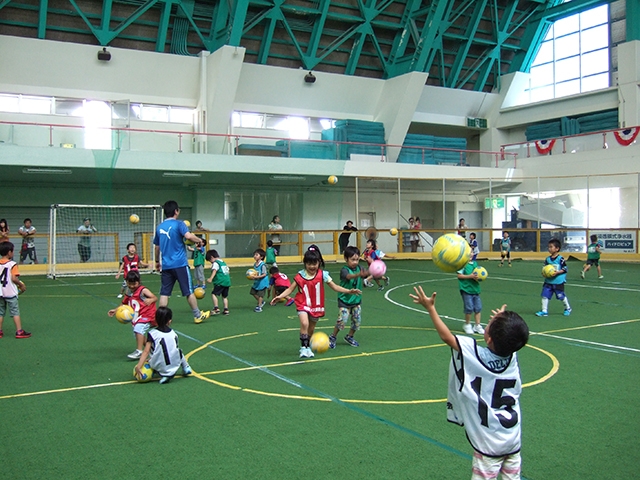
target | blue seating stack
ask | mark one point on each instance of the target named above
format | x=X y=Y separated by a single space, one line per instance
x=428 y=153
x=359 y=131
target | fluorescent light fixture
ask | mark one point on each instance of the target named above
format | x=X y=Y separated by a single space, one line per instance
x=48 y=171
x=180 y=174
x=288 y=178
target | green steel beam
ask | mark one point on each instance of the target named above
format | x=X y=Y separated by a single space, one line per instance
x=238 y=17
x=106 y=15
x=633 y=20
x=42 y=19
x=561 y=10
x=428 y=35
x=356 y=50
x=267 y=37
x=318 y=28
x=4 y=3
x=219 y=21
x=470 y=33
x=163 y=27
x=406 y=32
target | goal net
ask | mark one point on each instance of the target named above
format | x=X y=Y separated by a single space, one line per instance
x=92 y=239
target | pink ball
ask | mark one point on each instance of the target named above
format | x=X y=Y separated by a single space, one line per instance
x=377 y=268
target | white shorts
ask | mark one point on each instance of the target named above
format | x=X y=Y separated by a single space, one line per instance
x=485 y=468
x=141 y=328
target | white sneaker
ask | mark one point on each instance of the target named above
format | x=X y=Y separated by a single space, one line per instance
x=601 y=276
x=478 y=329
x=305 y=352
x=119 y=295
x=135 y=355
x=468 y=328
x=309 y=353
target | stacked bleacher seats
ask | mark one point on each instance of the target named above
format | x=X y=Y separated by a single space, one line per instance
x=306 y=149
x=566 y=127
x=428 y=152
x=261 y=150
x=544 y=131
x=450 y=157
x=359 y=131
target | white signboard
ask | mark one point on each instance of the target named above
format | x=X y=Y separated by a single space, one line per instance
x=620 y=241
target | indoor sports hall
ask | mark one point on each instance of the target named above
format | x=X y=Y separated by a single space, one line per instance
x=281 y=122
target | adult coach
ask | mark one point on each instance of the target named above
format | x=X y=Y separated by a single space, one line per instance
x=169 y=246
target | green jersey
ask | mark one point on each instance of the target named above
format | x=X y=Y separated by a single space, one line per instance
x=350 y=299
x=198 y=256
x=271 y=255
x=593 y=252
x=468 y=285
x=222 y=276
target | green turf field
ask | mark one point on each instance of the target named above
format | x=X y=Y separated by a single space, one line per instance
x=70 y=408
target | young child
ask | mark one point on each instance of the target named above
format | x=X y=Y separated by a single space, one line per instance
x=349 y=304
x=505 y=248
x=470 y=291
x=310 y=297
x=278 y=283
x=271 y=254
x=162 y=349
x=484 y=389
x=555 y=284
x=143 y=303
x=593 y=256
x=473 y=243
x=260 y=281
x=370 y=254
x=130 y=262
x=198 y=265
x=221 y=282
x=10 y=287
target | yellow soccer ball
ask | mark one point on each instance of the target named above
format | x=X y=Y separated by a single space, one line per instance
x=199 y=293
x=187 y=223
x=319 y=342
x=252 y=273
x=124 y=314
x=549 y=270
x=482 y=273
x=332 y=180
x=393 y=231
x=503 y=253
x=451 y=252
x=146 y=373
x=134 y=218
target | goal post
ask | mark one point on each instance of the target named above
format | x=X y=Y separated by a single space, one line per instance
x=92 y=239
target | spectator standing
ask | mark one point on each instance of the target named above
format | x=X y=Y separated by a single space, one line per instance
x=343 y=241
x=27 y=231
x=4 y=230
x=84 y=245
x=275 y=226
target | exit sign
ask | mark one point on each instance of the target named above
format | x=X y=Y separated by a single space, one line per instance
x=494 y=202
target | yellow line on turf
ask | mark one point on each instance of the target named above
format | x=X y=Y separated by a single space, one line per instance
x=70 y=389
x=552 y=372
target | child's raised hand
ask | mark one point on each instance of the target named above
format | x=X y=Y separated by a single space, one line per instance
x=117 y=275
x=355 y=291
x=421 y=298
x=498 y=310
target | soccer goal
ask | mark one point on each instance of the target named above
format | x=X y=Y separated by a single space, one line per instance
x=91 y=239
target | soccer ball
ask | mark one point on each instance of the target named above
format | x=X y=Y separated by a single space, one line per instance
x=252 y=273
x=124 y=314
x=319 y=342
x=450 y=252
x=377 y=268
x=134 y=218
x=146 y=373
x=393 y=231
x=199 y=292
x=503 y=253
x=482 y=273
x=188 y=242
x=332 y=179
x=549 y=270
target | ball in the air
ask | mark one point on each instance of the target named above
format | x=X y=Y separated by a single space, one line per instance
x=187 y=223
x=134 y=218
x=319 y=342
x=393 y=231
x=377 y=268
x=548 y=270
x=332 y=180
x=481 y=272
x=252 y=273
x=451 y=252
x=199 y=293
x=124 y=314
x=145 y=373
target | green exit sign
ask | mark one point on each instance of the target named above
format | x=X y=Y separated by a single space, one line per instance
x=494 y=202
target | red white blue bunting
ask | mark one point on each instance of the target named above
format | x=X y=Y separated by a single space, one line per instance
x=626 y=136
x=545 y=146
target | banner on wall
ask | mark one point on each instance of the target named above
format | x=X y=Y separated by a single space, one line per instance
x=620 y=241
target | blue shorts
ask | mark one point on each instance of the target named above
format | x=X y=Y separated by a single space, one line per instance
x=472 y=302
x=548 y=289
x=169 y=278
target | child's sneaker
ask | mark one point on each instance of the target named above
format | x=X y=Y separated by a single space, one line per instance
x=386 y=281
x=164 y=380
x=351 y=341
x=600 y=277
x=542 y=313
x=381 y=288
x=305 y=352
x=582 y=274
x=203 y=316
x=225 y=311
x=22 y=334
x=367 y=283
x=263 y=304
x=135 y=355
x=258 y=309
x=477 y=328
x=567 y=312
x=468 y=328
x=332 y=341
x=186 y=371
x=119 y=295
x=289 y=302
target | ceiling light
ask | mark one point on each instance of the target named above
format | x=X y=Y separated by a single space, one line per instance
x=48 y=171
x=288 y=178
x=180 y=174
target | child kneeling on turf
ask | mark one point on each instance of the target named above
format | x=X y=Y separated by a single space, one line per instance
x=164 y=355
x=484 y=389
x=278 y=283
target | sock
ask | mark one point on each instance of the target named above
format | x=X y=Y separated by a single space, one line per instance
x=196 y=312
x=545 y=304
x=566 y=303
x=304 y=340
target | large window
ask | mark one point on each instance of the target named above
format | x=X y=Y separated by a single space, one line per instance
x=573 y=58
x=292 y=126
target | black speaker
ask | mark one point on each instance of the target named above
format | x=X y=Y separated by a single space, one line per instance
x=104 y=56
x=309 y=78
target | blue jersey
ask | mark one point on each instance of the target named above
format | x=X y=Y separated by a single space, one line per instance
x=560 y=265
x=261 y=283
x=505 y=244
x=169 y=237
